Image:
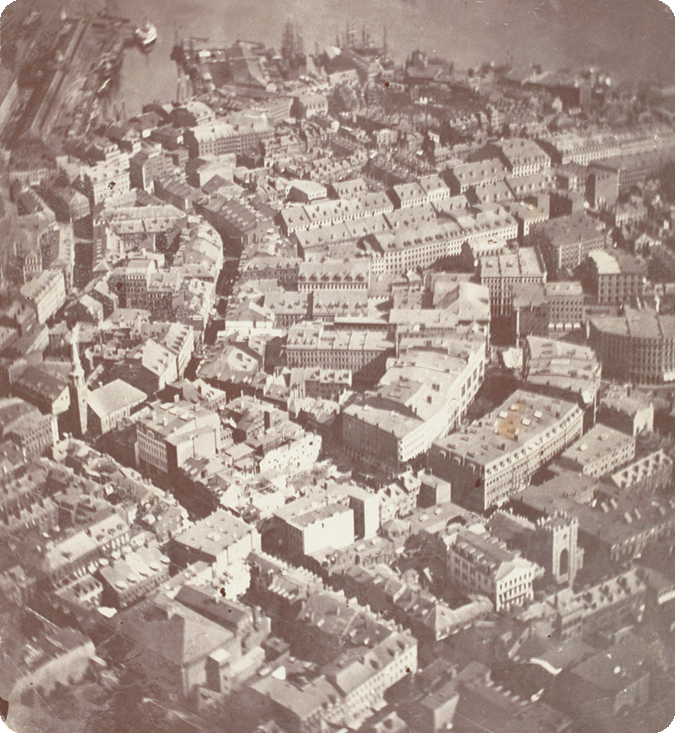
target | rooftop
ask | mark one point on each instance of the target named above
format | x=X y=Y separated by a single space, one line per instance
x=641 y=324
x=213 y=535
x=598 y=442
x=113 y=397
x=510 y=428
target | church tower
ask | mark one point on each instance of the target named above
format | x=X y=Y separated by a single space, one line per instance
x=79 y=402
x=556 y=547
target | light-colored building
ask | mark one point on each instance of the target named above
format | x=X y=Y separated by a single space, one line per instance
x=363 y=680
x=481 y=564
x=552 y=307
x=396 y=252
x=422 y=396
x=294 y=451
x=45 y=293
x=599 y=451
x=221 y=540
x=522 y=157
x=26 y=426
x=561 y=369
x=616 y=278
x=408 y=195
x=626 y=409
x=112 y=403
x=80 y=553
x=315 y=345
x=167 y=360
x=220 y=137
x=105 y=180
x=334 y=275
x=133 y=576
x=496 y=456
x=167 y=435
x=650 y=474
x=311 y=525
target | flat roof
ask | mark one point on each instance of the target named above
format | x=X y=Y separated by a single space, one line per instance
x=524 y=417
x=215 y=534
x=598 y=442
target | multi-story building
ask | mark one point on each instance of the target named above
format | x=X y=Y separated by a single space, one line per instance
x=602 y=186
x=134 y=576
x=522 y=157
x=122 y=229
x=638 y=346
x=563 y=370
x=130 y=282
x=104 y=181
x=616 y=278
x=500 y=273
x=481 y=564
x=361 y=352
x=653 y=473
x=422 y=395
x=626 y=409
x=474 y=175
x=288 y=308
x=167 y=435
x=620 y=524
x=435 y=188
x=408 y=195
x=310 y=525
x=398 y=251
x=149 y=165
x=565 y=305
x=219 y=137
x=363 y=681
x=615 y=525
x=572 y=147
x=325 y=384
x=180 y=340
x=334 y=275
x=220 y=540
x=496 y=456
x=45 y=294
x=567 y=242
x=594 y=690
x=25 y=425
x=68 y=558
x=308 y=104
x=539 y=309
x=168 y=359
x=237 y=220
x=612 y=604
x=44 y=388
x=282 y=269
x=486 y=222
x=599 y=451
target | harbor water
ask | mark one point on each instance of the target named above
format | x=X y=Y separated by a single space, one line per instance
x=630 y=40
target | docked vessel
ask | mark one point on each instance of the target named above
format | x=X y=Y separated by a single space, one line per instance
x=146 y=35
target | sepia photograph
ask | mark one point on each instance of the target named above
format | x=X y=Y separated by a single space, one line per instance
x=337 y=366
